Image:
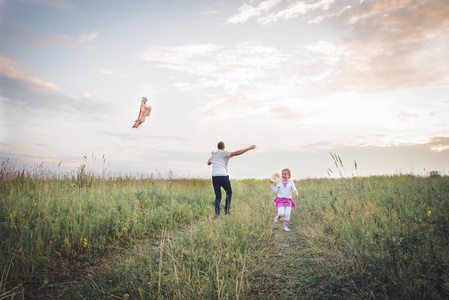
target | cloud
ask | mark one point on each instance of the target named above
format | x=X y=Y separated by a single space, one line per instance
x=229 y=105
x=320 y=18
x=193 y=58
x=32 y=93
x=399 y=158
x=439 y=144
x=11 y=74
x=15 y=35
x=386 y=45
x=396 y=44
x=248 y=76
x=266 y=102
x=295 y=10
x=207 y=59
x=254 y=80
x=226 y=66
x=264 y=13
x=402 y=21
x=247 y=11
x=324 y=48
x=404 y=117
x=383 y=46
x=87 y=37
x=251 y=78
x=284 y=113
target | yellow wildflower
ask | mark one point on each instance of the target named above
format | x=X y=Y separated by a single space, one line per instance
x=429 y=213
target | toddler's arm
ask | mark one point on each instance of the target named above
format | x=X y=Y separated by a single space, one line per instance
x=274 y=188
x=295 y=191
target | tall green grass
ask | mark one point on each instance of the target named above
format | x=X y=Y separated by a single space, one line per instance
x=374 y=237
x=47 y=223
x=217 y=258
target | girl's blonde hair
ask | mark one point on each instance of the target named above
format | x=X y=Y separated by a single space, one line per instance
x=288 y=171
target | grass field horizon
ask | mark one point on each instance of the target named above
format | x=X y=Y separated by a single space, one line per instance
x=84 y=235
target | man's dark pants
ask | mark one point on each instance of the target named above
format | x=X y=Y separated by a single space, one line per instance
x=218 y=183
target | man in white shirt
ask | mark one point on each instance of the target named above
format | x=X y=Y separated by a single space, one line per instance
x=220 y=178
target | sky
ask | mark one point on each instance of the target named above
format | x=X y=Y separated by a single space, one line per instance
x=365 y=80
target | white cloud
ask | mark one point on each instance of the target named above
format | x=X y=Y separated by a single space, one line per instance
x=324 y=47
x=230 y=105
x=439 y=144
x=284 y=113
x=247 y=11
x=320 y=18
x=393 y=44
x=8 y=67
x=250 y=78
x=178 y=54
x=297 y=9
x=440 y=148
x=32 y=93
x=183 y=86
x=193 y=58
x=9 y=70
x=404 y=117
x=264 y=13
x=87 y=37
x=219 y=66
x=386 y=44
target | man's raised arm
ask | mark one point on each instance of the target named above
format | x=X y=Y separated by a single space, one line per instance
x=241 y=151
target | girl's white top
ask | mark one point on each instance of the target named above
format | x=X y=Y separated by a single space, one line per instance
x=284 y=192
x=219 y=162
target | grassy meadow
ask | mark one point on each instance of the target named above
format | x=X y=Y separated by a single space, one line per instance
x=82 y=236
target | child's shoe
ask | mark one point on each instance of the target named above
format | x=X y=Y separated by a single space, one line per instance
x=276 y=219
x=286 y=222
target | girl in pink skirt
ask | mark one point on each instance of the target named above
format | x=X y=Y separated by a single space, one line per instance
x=284 y=202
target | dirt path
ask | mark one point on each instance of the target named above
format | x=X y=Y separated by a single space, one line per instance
x=287 y=275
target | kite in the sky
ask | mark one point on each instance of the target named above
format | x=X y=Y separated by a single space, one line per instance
x=144 y=112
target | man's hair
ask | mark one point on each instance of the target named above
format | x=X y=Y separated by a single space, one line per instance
x=220 y=145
